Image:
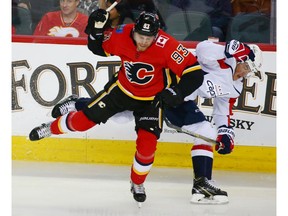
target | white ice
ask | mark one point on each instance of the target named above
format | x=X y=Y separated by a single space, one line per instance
x=71 y=189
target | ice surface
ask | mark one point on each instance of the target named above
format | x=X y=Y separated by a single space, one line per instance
x=62 y=189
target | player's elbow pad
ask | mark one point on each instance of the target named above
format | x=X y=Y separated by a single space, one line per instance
x=189 y=82
x=95 y=46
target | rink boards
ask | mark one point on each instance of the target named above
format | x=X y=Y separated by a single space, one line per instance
x=38 y=83
x=120 y=152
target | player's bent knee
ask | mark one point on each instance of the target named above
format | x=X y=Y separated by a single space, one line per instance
x=78 y=121
x=146 y=143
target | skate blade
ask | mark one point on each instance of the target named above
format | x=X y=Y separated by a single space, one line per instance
x=215 y=200
x=139 y=204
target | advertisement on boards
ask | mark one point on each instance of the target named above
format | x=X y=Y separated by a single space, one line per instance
x=45 y=74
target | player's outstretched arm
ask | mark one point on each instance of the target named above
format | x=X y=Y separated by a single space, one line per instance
x=95 y=28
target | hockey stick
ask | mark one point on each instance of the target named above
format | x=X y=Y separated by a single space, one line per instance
x=182 y=130
x=113 y=5
x=110 y=8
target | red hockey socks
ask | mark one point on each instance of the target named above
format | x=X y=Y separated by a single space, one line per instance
x=144 y=156
x=73 y=121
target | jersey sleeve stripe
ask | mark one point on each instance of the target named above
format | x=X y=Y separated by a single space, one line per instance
x=191 y=69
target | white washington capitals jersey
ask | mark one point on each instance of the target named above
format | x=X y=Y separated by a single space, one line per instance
x=218 y=80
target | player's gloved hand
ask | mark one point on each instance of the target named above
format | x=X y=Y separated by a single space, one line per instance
x=169 y=97
x=225 y=140
x=240 y=51
x=96 y=22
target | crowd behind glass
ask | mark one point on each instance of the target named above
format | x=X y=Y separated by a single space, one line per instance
x=186 y=20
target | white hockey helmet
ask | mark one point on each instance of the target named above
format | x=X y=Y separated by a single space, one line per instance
x=255 y=65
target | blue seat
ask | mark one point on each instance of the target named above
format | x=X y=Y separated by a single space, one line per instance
x=189 y=25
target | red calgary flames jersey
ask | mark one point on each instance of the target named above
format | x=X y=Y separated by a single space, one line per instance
x=52 y=24
x=142 y=74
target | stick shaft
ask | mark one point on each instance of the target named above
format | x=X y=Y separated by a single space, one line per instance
x=182 y=130
x=112 y=6
x=108 y=9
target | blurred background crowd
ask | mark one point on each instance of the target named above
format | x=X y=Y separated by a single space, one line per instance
x=186 y=20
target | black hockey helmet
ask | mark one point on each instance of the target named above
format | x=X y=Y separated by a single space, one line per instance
x=147 y=24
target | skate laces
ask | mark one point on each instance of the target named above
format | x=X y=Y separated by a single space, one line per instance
x=67 y=107
x=44 y=130
x=206 y=183
x=211 y=184
x=138 y=189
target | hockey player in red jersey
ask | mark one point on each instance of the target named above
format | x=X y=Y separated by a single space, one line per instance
x=225 y=67
x=141 y=84
x=67 y=22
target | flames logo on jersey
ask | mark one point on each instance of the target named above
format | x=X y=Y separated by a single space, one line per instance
x=138 y=72
x=59 y=31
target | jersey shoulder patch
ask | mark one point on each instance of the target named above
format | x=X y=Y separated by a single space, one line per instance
x=119 y=29
x=161 y=40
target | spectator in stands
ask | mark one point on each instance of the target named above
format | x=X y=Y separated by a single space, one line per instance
x=13 y=28
x=21 y=17
x=66 y=22
x=88 y=6
x=251 y=6
x=120 y=14
x=102 y=4
x=39 y=8
x=220 y=17
x=24 y=4
x=137 y=6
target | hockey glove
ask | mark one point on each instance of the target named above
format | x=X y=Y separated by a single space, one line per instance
x=96 y=22
x=169 y=97
x=240 y=51
x=225 y=140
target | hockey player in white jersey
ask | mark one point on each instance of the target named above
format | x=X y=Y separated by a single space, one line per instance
x=225 y=67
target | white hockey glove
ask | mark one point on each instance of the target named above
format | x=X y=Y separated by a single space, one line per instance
x=240 y=51
x=225 y=139
x=96 y=22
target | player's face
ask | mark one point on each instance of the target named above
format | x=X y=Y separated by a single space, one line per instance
x=143 y=41
x=68 y=6
x=241 y=70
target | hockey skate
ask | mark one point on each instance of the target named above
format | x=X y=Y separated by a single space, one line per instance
x=40 y=132
x=65 y=106
x=138 y=192
x=203 y=192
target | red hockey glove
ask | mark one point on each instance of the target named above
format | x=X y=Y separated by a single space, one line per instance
x=225 y=139
x=96 y=22
x=240 y=51
x=169 y=97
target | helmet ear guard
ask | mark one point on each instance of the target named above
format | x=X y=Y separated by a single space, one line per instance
x=255 y=65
